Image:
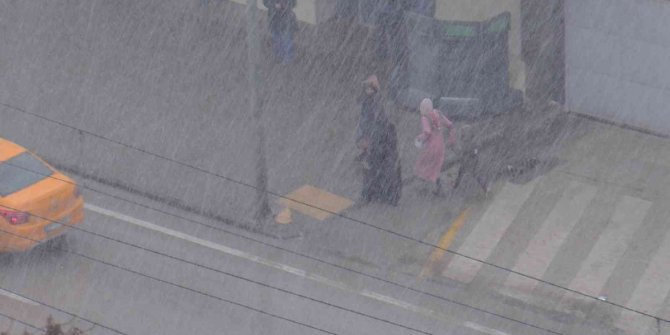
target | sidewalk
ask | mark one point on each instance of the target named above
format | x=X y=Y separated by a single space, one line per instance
x=401 y=239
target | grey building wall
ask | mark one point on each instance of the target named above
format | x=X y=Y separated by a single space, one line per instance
x=618 y=61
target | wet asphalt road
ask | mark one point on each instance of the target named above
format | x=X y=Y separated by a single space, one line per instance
x=133 y=270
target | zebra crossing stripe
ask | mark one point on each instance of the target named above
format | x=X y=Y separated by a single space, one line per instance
x=654 y=285
x=611 y=246
x=544 y=246
x=489 y=230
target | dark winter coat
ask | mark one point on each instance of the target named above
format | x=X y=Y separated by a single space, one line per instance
x=383 y=181
x=371 y=108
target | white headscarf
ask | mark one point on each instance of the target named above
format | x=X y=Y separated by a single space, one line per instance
x=426 y=106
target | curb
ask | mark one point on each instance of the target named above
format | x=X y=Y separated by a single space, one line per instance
x=270 y=229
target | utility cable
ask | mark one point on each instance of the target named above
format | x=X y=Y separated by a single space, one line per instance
x=265 y=244
x=42 y=330
x=93 y=259
x=61 y=310
x=203 y=267
x=335 y=265
x=361 y=222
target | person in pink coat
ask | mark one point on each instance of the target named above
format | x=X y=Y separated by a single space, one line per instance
x=431 y=141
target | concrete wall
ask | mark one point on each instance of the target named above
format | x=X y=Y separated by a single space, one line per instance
x=126 y=70
x=478 y=10
x=617 y=54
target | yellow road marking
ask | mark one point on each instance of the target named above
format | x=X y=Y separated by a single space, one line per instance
x=445 y=242
x=315 y=202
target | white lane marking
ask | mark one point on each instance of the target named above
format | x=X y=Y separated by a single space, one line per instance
x=391 y=301
x=298 y=272
x=535 y=260
x=428 y=312
x=18 y=297
x=611 y=246
x=199 y=241
x=329 y=282
x=488 y=231
x=483 y=329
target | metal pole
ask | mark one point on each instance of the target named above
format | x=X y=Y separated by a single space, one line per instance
x=256 y=106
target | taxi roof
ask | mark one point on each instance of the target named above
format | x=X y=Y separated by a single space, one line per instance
x=9 y=149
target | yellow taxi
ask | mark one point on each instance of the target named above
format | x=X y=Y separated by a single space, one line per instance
x=37 y=203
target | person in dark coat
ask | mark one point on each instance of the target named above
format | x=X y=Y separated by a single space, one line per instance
x=371 y=106
x=470 y=159
x=283 y=25
x=382 y=180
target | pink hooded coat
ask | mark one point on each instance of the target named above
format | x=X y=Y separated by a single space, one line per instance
x=431 y=158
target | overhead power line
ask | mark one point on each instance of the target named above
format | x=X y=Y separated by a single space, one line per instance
x=207 y=268
x=276 y=247
x=361 y=222
x=31 y=326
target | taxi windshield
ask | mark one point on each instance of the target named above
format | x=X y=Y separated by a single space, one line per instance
x=20 y=172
